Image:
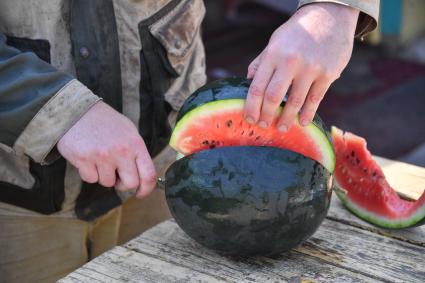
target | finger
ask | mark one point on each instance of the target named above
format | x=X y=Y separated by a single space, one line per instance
x=88 y=173
x=107 y=175
x=147 y=177
x=314 y=97
x=119 y=186
x=274 y=95
x=128 y=176
x=255 y=96
x=296 y=98
x=147 y=173
x=252 y=68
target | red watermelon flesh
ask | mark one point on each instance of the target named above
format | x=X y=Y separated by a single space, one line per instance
x=221 y=123
x=369 y=195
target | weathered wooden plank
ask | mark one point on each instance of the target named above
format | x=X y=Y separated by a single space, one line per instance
x=336 y=253
x=367 y=252
x=407 y=179
x=338 y=212
x=166 y=254
x=123 y=265
x=335 y=243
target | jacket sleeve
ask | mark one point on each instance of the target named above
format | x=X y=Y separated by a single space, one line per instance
x=368 y=17
x=38 y=104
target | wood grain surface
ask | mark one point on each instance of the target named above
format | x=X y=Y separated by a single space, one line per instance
x=344 y=249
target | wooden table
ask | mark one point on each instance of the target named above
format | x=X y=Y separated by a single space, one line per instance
x=344 y=249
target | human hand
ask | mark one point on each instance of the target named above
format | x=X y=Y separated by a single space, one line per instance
x=103 y=143
x=308 y=53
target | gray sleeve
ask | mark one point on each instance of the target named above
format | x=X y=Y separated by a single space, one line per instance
x=38 y=103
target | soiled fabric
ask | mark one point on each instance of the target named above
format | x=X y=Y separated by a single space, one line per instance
x=57 y=59
x=369 y=12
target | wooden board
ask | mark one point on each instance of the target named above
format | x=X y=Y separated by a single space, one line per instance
x=344 y=249
x=337 y=252
x=407 y=179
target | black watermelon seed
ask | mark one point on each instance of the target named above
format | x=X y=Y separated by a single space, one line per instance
x=205 y=142
x=352 y=153
x=257 y=138
x=251 y=133
x=229 y=123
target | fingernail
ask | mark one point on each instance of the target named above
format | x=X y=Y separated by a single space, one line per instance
x=262 y=124
x=249 y=119
x=283 y=128
x=304 y=122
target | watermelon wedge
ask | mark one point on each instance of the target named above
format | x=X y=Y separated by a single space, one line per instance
x=213 y=117
x=367 y=192
x=220 y=123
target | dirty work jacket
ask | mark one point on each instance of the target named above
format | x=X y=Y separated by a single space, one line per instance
x=58 y=58
x=368 y=17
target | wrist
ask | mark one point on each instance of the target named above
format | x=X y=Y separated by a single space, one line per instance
x=330 y=15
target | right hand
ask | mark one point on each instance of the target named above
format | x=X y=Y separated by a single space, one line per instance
x=103 y=143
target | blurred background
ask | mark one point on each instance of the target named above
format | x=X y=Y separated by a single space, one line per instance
x=380 y=95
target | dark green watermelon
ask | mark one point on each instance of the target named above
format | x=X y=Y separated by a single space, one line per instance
x=248 y=200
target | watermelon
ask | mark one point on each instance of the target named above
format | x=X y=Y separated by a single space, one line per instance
x=248 y=200
x=240 y=189
x=213 y=117
x=365 y=190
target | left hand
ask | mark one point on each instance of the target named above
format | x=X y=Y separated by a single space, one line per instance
x=308 y=53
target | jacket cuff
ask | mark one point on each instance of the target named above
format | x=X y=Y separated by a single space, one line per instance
x=368 y=17
x=53 y=120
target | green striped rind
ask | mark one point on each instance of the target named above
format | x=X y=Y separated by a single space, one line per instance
x=215 y=107
x=378 y=220
x=326 y=145
x=222 y=89
x=179 y=155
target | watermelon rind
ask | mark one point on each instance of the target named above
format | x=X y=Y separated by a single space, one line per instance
x=220 y=198
x=215 y=107
x=222 y=89
x=378 y=220
x=179 y=155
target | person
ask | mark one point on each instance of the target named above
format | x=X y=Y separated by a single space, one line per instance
x=87 y=89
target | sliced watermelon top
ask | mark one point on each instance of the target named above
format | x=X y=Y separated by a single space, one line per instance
x=221 y=123
x=368 y=193
x=229 y=88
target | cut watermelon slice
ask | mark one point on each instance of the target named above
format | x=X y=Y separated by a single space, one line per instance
x=220 y=123
x=368 y=194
